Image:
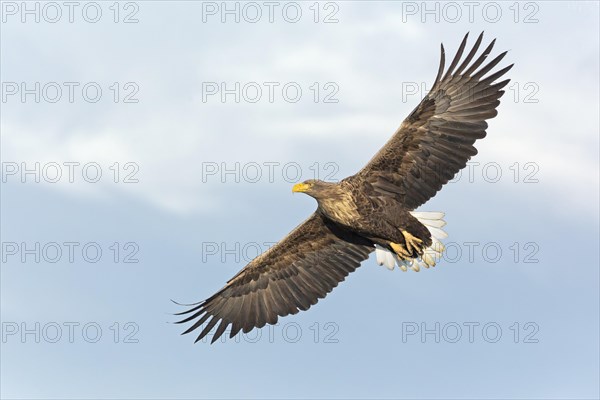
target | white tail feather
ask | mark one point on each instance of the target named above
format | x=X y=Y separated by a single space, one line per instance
x=434 y=222
x=431 y=215
x=384 y=257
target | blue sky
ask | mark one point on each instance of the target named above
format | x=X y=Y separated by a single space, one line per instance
x=528 y=290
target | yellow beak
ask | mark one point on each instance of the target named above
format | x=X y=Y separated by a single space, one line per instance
x=300 y=188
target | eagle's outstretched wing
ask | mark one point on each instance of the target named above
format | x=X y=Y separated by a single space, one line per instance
x=290 y=276
x=436 y=140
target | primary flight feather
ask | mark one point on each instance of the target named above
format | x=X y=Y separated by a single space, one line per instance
x=372 y=210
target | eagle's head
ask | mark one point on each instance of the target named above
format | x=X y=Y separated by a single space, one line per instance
x=315 y=188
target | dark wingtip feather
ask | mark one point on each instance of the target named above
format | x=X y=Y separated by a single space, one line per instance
x=220 y=330
x=188 y=330
x=489 y=66
x=481 y=58
x=466 y=37
x=196 y=308
x=184 y=304
x=183 y=321
x=191 y=317
x=457 y=57
x=490 y=79
x=442 y=65
x=470 y=56
x=206 y=329
x=199 y=322
x=235 y=328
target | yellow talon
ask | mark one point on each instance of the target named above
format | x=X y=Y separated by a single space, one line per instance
x=399 y=250
x=411 y=242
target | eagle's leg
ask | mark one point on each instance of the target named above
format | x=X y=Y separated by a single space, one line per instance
x=412 y=242
x=412 y=248
x=400 y=251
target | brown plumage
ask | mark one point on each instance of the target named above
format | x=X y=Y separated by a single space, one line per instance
x=372 y=207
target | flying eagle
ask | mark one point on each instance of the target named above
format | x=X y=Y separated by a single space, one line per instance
x=369 y=211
